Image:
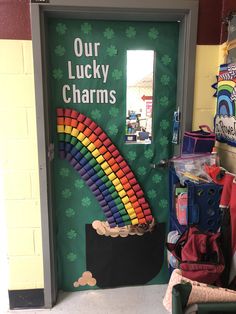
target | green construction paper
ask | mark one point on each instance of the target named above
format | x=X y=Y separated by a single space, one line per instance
x=73 y=203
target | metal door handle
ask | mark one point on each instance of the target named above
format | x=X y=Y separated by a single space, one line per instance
x=164 y=163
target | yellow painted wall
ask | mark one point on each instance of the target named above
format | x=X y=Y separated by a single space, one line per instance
x=19 y=165
x=207 y=65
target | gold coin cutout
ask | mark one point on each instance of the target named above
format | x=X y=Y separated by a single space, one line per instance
x=95 y=224
x=82 y=281
x=76 y=284
x=92 y=282
x=87 y=275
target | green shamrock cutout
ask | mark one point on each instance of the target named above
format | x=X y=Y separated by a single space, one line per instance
x=114 y=112
x=163 y=141
x=164 y=101
x=164 y=125
x=64 y=172
x=130 y=32
x=131 y=156
x=113 y=129
x=57 y=74
x=96 y=114
x=86 y=28
x=71 y=257
x=66 y=193
x=148 y=153
x=156 y=178
x=70 y=212
x=166 y=60
x=108 y=33
x=153 y=33
x=142 y=171
x=79 y=183
x=152 y=194
x=117 y=74
x=111 y=51
x=71 y=234
x=163 y=203
x=165 y=79
x=61 y=28
x=59 y=50
x=86 y=201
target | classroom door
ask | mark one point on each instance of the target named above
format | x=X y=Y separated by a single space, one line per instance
x=110 y=204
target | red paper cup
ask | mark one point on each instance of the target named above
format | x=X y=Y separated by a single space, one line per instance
x=116 y=153
x=147 y=212
x=139 y=215
x=141 y=200
x=60 y=112
x=142 y=221
x=149 y=218
x=124 y=180
x=60 y=121
x=74 y=123
x=67 y=121
x=102 y=149
x=115 y=167
x=130 y=192
x=138 y=210
x=92 y=137
x=107 y=155
x=136 y=187
x=130 y=175
x=107 y=142
x=111 y=161
x=126 y=169
x=67 y=112
x=87 y=121
x=97 y=143
x=126 y=186
x=119 y=159
x=139 y=193
x=87 y=132
x=111 y=148
x=144 y=205
x=98 y=131
x=123 y=164
x=135 y=205
x=120 y=174
x=102 y=136
x=93 y=126
x=80 y=127
x=133 y=181
x=74 y=114
x=134 y=199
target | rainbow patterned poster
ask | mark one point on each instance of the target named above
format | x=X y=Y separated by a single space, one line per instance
x=225 y=122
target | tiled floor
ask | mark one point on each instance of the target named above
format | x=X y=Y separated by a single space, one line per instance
x=131 y=300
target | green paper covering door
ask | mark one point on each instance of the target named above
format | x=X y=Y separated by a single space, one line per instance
x=87 y=74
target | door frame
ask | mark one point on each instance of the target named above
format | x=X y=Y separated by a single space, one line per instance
x=183 y=11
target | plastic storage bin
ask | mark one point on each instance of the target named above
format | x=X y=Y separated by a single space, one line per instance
x=203 y=205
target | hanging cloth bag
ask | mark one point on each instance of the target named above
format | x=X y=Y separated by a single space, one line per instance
x=199 y=141
x=199 y=255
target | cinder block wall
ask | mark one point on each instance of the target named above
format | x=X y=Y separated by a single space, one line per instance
x=207 y=65
x=19 y=165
